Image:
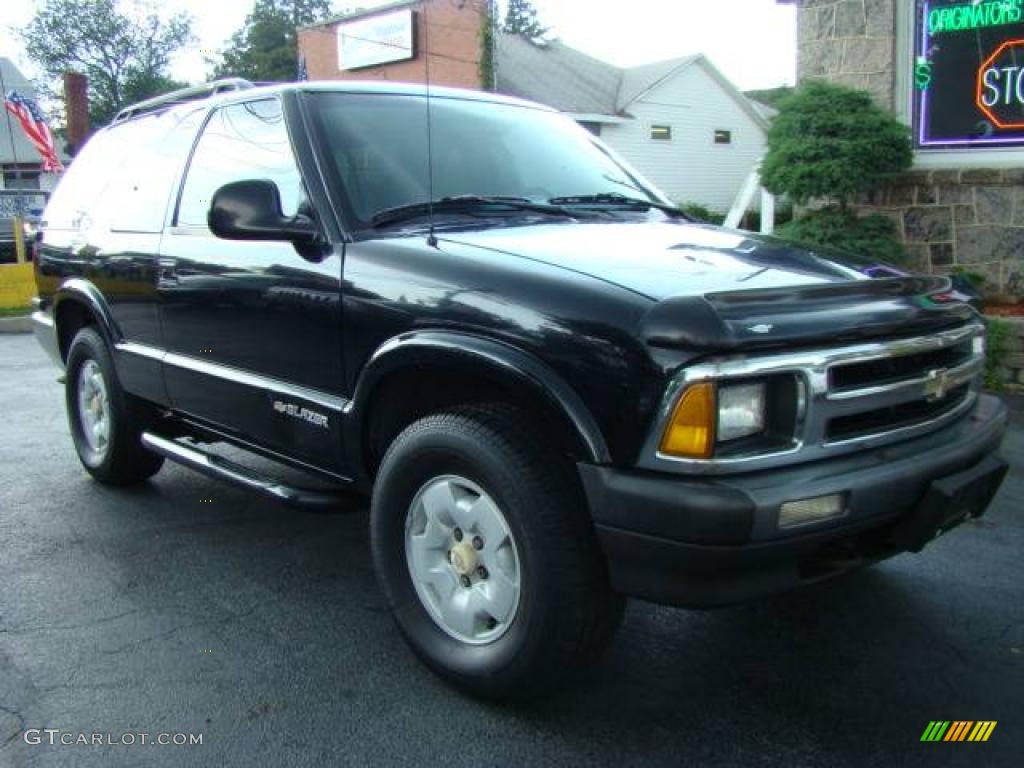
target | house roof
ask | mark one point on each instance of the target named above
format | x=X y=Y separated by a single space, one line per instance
x=552 y=73
x=557 y=75
x=639 y=81
x=21 y=151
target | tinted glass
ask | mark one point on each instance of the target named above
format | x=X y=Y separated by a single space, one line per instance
x=136 y=198
x=378 y=147
x=123 y=177
x=240 y=142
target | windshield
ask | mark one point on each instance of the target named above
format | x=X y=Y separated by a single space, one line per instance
x=377 y=145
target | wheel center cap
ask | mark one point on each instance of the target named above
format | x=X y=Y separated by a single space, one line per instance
x=462 y=558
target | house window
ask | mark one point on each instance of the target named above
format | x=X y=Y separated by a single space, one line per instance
x=661 y=132
x=723 y=137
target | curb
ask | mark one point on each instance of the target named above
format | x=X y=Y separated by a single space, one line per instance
x=19 y=324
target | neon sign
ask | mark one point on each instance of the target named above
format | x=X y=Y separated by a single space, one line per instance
x=968 y=74
x=1000 y=94
x=959 y=18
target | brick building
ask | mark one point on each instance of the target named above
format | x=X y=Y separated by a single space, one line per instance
x=388 y=43
x=948 y=69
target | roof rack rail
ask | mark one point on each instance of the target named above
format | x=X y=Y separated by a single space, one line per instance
x=182 y=96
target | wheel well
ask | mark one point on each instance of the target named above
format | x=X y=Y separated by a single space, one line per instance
x=412 y=393
x=71 y=317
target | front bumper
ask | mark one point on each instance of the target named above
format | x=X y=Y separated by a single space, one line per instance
x=712 y=541
x=45 y=331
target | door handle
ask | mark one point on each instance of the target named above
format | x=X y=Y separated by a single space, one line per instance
x=167 y=271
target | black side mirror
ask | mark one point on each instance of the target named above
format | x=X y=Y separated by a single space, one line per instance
x=251 y=210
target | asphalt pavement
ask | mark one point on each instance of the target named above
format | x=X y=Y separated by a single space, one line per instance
x=189 y=607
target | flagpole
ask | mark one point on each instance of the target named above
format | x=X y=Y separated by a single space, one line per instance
x=10 y=130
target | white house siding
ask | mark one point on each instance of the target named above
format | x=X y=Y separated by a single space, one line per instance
x=690 y=167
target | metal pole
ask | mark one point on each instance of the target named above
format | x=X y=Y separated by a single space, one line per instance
x=19 y=239
x=10 y=130
x=16 y=223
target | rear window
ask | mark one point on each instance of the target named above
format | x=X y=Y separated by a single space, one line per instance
x=123 y=177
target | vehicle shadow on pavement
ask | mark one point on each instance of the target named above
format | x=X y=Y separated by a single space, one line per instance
x=802 y=677
x=188 y=604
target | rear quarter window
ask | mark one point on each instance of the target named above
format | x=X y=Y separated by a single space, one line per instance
x=124 y=176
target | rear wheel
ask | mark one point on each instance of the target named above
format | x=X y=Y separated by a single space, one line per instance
x=106 y=423
x=486 y=554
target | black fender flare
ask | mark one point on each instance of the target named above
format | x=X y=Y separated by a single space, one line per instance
x=508 y=362
x=85 y=293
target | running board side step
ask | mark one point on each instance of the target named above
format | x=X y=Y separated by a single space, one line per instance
x=220 y=468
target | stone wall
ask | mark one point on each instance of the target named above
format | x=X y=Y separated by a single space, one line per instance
x=973 y=219
x=850 y=42
x=970 y=218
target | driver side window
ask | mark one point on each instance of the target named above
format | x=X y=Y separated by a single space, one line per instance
x=239 y=142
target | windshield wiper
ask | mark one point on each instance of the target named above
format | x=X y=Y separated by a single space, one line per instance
x=472 y=204
x=614 y=198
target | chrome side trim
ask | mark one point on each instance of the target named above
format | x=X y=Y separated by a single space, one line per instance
x=235 y=375
x=811 y=369
x=142 y=350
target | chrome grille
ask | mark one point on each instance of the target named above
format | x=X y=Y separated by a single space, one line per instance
x=887 y=369
x=857 y=396
x=893 y=416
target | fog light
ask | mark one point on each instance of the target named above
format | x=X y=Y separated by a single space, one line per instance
x=804 y=511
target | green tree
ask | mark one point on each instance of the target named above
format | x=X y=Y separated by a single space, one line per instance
x=521 y=19
x=266 y=47
x=770 y=96
x=125 y=56
x=829 y=145
x=832 y=143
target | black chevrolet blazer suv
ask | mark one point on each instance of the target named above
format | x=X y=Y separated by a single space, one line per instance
x=555 y=388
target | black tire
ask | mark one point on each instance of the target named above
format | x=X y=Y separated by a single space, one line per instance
x=121 y=460
x=566 y=611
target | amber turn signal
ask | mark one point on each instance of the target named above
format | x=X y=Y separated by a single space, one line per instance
x=690 y=433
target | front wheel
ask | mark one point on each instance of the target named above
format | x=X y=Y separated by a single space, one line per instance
x=106 y=422
x=486 y=554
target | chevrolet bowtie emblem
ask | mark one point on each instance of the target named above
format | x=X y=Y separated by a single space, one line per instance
x=938 y=384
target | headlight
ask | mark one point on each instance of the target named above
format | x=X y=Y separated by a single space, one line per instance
x=741 y=411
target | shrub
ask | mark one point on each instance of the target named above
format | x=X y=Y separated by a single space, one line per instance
x=701 y=212
x=997 y=346
x=872 y=236
x=832 y=143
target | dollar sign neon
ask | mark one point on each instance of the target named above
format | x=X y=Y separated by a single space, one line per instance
x=923 y=75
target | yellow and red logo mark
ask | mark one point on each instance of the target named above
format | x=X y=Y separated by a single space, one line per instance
x=958 y=730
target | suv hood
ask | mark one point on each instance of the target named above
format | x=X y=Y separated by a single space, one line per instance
x=720 y=288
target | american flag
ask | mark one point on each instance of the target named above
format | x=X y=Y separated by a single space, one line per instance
x=34 y=126
x=303 y=73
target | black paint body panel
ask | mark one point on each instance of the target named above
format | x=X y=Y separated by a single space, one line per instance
x=605 y=310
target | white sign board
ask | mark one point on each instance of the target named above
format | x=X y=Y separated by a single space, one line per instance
x=377 y=40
